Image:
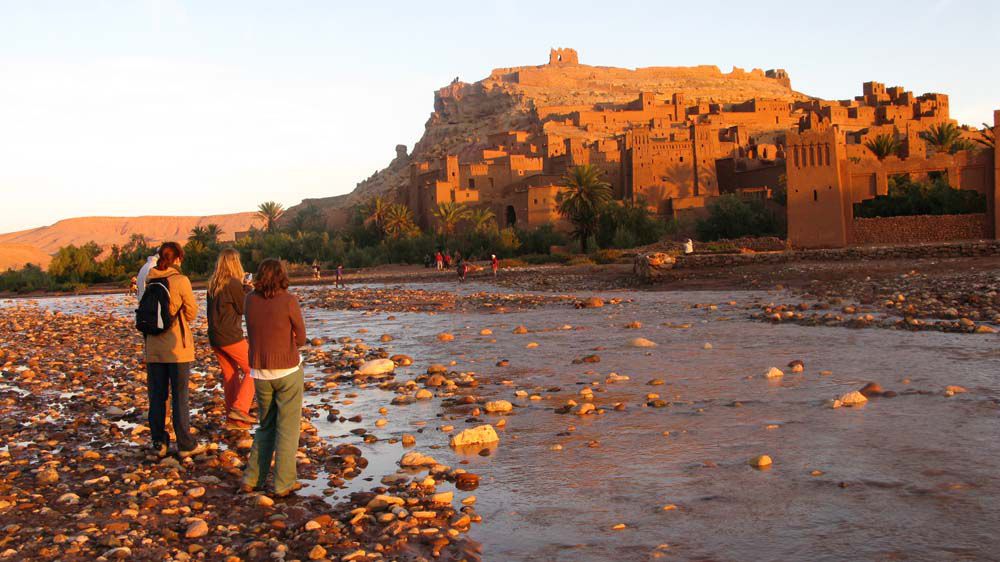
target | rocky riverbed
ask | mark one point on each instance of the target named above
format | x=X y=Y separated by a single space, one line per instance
x=474 y=423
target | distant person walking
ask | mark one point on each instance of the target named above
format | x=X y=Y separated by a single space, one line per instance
x=170 y=352
x=463 y=269
x=316 y=271
x=340 y=276
x=140 y=279
x=688 y=246
x=447 y=259
x=439 y=260
x=494 y=264
x=226 y=295
x=276 y=330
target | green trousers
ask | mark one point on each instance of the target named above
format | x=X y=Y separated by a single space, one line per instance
x=279 y=404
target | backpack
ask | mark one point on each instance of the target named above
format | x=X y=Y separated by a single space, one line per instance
x=152 y=318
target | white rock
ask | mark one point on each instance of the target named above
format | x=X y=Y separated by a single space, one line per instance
x=774 y=373
x=481 y=435
x=854 y=398
x=641 y=342
x=499 y=407
x=376 y=367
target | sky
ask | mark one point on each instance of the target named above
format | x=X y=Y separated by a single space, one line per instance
x=165 y=107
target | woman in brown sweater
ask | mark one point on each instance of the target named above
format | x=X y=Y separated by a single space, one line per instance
x=276 y=331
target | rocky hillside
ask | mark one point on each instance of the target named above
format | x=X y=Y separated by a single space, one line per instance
x=464 y=114
x=37 y=245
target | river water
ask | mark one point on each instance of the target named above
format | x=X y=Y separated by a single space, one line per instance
x=908 y=478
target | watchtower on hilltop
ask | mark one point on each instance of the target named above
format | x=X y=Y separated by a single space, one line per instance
x=563 y=56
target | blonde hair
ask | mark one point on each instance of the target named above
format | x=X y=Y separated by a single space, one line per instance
x=227 y=267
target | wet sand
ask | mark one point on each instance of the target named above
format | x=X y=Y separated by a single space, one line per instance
x=906 y=477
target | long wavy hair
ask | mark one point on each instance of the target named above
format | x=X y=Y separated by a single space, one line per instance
x=272 y=278
x=227 y=267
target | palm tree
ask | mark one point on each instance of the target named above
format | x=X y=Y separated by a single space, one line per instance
x=987 y=137
x=398 y=221
x=449 y=215
x=270 y=212
x=375 y=210
x=581 y=200
x=483 y=219
x=945 y=137
x=883 y=146
x=197 y=234
x=212 y=233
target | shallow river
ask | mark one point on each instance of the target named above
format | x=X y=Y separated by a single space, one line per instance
x=909 y=478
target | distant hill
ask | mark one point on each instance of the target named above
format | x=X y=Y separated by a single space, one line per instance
x=38 y=244
x=16 y=255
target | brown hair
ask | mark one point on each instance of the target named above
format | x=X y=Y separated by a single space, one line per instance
x=272 y=278
x=169 y=254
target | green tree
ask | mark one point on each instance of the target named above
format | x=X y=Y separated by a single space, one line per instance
x=309 y=219
x=945 y=137
x=270 y=212
x=483 y=220
x=397 y=221
x=731 y=216
x=375 y=209
x=75 y=264
x=987 y=137
x=883 y=146
x=448 y=216
x=581 y=201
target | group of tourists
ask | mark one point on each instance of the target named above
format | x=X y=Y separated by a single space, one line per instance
x=265 y=364
x=443 y=261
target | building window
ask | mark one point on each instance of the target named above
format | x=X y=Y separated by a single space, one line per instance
x=472 y=183
x=815 y=195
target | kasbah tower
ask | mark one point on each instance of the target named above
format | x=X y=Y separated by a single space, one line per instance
x=674 y=151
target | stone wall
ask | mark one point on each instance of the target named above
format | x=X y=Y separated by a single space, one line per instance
x=920 y=229
x=940 y=250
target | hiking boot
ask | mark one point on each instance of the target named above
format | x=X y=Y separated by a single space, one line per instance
x=291 y=490
x=199 y=449
x=160 y=450
x=247 y=488
x=242 y=416
x=234 y=425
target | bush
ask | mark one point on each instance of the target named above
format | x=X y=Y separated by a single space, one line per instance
x=29 y=279
x=935 y=197
x=541 y=239
x=628 y=225
x=580 y=260
x=540 y=259
x=731 y=216
x=607 y=256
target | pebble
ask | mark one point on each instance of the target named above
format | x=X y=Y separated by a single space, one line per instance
x=761 y=461
x=641 y=342
x=773 y=373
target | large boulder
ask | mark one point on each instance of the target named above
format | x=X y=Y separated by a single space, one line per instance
x=481 y=435
x=651 y=266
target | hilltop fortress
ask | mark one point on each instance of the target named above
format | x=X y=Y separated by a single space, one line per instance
x=669 y=138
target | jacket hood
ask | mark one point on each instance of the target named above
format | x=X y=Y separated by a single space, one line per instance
x=157 y=274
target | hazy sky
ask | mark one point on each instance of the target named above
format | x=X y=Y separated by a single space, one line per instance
x=169 y=107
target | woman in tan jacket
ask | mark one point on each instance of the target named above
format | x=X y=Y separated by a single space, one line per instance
x=169 y=356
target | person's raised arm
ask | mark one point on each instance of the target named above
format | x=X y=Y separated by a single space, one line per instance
x=298 y=324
